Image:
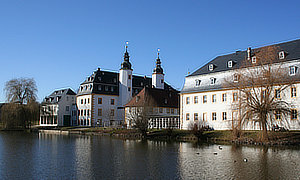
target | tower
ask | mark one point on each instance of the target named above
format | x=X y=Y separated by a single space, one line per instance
x=125 y=79
x=158 y=74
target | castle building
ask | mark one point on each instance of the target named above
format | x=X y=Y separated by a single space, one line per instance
x=206 y=96
x=157 y=106
x=101 y=98
x=59 y=109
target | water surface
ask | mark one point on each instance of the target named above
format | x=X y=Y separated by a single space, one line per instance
x=51 y=156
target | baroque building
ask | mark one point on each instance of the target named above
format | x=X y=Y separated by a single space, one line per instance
x=156 y=105
x=59 y=109
x=101 y=98
x=206 y=96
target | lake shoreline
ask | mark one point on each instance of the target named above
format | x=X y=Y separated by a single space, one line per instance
x=289 y=138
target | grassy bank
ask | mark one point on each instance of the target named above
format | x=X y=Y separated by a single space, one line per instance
x=247 y=137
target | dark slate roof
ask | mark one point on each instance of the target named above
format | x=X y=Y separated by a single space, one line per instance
x=107 y=82
x=291 y=48
x=156 y=98
x=58 y=93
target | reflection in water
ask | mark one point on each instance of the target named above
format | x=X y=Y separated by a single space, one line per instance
x=51 y=156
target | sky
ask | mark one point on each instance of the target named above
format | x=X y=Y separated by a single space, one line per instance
x=61 y=42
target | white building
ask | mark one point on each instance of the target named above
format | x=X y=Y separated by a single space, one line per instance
x=205 y=98
x=59 y=109
x=102 y=96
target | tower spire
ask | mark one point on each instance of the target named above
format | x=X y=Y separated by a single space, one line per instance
x=126 y=64
x=158 y=69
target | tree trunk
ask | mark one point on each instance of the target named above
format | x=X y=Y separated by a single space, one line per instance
x=264 y=135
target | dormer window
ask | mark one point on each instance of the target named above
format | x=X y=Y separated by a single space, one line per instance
x=212 y=81
x=253 y=59
x=99 y=78
x=281 y=55
x=198 y=81
x=211 y=67
x=229 y=64
x=293 y=70
x=99 y=87
x=137 y=98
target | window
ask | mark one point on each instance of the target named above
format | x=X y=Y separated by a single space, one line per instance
x=198 y=81
x=161 y=110
x=235 y=78
x=294 y=114
x=187 y=100
x=81 y=101
x=111 y=89
x=224 y=116
x=212 y=81
x=112 y=112
x=277 y=93
x=112 y=101
x=264 y=93
x=229 y=64
x=99 y=100
x=82 y=112
x=204 y=116
x=129 y=76
x=253 y=59
x=214 y=116
x=292 y=70
x=204 y=99
x=99 y=112
x=172 y=111
x=234 y=96
x=162 y=81
x=99 y=87
x=234 y=115
x=196 y=99
x=67 y=108
x=281 y=55
x=88 y=112
x=85 y=112
x=293 y=92
x=84 y=101
x=211 y=67
x=88 y=100
x=196 y=117
x=106 y=88
x=187 y=116
x=224 y=97
x=129 y=88
x=277 y=115
x=168 y=110
x=214 y=98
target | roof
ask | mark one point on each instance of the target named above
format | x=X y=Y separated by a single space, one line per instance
x=107 y=82
x=291 y=48
x=156 y=98
x=57 y=94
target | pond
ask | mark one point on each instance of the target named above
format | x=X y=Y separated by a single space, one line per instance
x=53 y=156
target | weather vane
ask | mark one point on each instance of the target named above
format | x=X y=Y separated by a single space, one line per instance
x=158 y=50
x=126 y=45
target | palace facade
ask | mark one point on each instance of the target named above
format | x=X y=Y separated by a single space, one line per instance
x=206 y=97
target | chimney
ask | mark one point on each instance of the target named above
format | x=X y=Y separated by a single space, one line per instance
x=249 y=53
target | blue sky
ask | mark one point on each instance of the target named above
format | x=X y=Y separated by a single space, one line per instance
x=61 y=42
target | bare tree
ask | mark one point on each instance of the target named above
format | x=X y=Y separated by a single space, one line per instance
x=22 y=109
x=138 y=117
x=260 y=84
x=21 y=90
